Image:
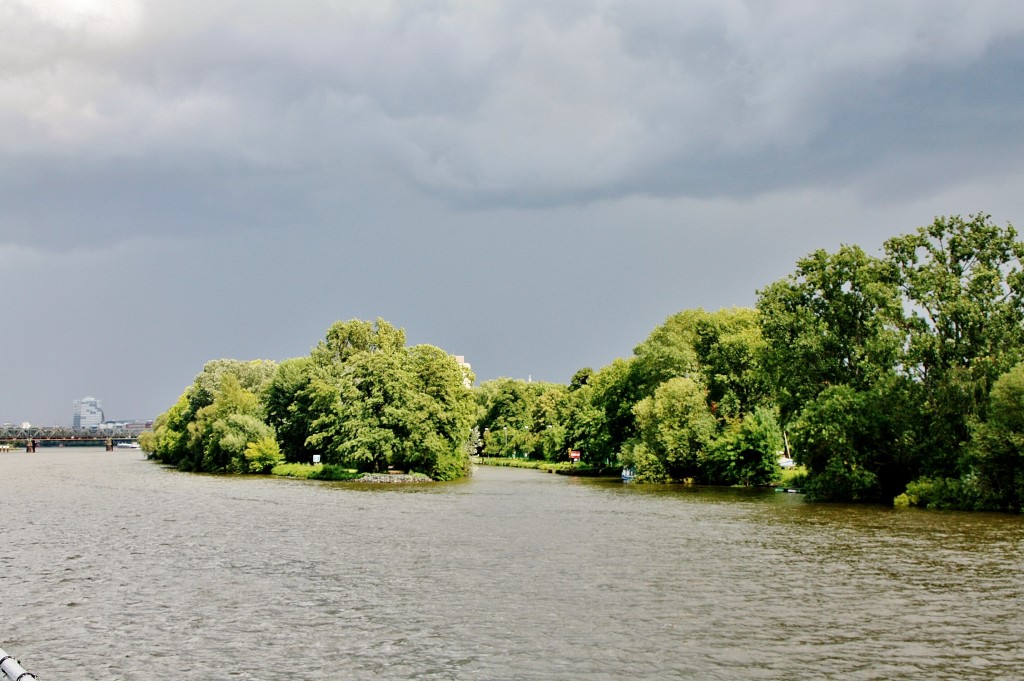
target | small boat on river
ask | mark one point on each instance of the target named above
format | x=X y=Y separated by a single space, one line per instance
x=627 y=475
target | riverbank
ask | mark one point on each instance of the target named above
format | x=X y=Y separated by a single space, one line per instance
x=560 y=467
x=318 y=471
x=792 y=478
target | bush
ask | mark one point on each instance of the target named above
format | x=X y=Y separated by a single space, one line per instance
x=295 y=470
x=939 y=493
x=260 y=456
x=333 y=472
x=794 y=478
x=842 y=481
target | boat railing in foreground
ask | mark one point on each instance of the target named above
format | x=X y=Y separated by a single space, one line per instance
x=12 y=669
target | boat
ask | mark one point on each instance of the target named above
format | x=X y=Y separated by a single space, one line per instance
x=627 y=475
x=128 y=445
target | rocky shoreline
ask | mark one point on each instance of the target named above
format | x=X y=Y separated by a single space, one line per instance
x=393 y=478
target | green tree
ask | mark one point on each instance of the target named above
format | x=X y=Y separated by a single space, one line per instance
x=834 y=354
x=372 y=403
x=355 y=336
x=964 y=288
x=585 y=423
x=260 y=456
x=835 y=321
x=676 y=427
x=507 y=407
x=442 y=414
x=996 y=455
x=746 y=451
x=729 y=345
x=168 y=441
x=287 y=407
x=250 y=375
x=222 y=430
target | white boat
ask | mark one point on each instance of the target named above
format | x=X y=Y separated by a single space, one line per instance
x=128 y=445
x=627 y=475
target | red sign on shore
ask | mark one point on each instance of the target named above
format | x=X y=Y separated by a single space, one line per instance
x=574 y=455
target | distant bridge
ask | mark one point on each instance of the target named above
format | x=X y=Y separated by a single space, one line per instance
x=10 y=434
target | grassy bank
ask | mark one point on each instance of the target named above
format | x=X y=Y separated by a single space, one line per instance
x=561 y=467
x=792 y=478
x=314 y=471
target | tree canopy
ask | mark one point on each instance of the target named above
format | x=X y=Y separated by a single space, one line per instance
x=361 y=399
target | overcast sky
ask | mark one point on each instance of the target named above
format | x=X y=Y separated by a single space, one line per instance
x=532 y=184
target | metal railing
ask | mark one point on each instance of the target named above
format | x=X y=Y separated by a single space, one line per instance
x=12 y=669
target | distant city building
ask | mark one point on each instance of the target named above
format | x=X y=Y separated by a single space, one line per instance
x=88 y=413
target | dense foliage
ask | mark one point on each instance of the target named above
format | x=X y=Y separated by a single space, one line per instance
x=884 y=367
x=691 y=403
x=361 y=400
x=889 y=374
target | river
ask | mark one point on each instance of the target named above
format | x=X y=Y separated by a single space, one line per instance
x=113 y=567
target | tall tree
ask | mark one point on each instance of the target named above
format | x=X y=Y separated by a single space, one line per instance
x=372 y=403
x=835 y=321
x=833 y=352
x=964 y=286
x=286 y=399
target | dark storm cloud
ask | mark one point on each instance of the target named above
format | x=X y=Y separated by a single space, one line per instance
x=147 y=117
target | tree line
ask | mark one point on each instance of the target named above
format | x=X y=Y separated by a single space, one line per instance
x=890 y=376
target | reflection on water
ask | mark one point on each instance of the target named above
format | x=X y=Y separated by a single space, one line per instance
x=116 y=568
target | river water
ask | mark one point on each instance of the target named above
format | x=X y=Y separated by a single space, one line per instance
x=113 y=567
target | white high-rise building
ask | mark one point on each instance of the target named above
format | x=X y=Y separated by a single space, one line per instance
x=88 y=413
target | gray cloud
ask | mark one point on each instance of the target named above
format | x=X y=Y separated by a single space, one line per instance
x=532 y=184
x=508 y=103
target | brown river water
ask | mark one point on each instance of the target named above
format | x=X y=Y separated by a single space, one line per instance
x=113 y=567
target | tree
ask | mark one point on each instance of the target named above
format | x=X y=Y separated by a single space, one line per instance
x=287 y=408
x=168 y=441
x=580 y=378
x=586 y=428
x=222 y=431
x=834 y=353
x=612 y=392
x=746 y=451
x=251 y=375
x=668 y=352
x=964 y=287
x=368 y=425
x=729 y=345
x=522 y=418
x=443 y=413
x=996 y=455
x=361 y=398
x=676 y=427
x=835 y=321
x=372 y=403
x=346 y=339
